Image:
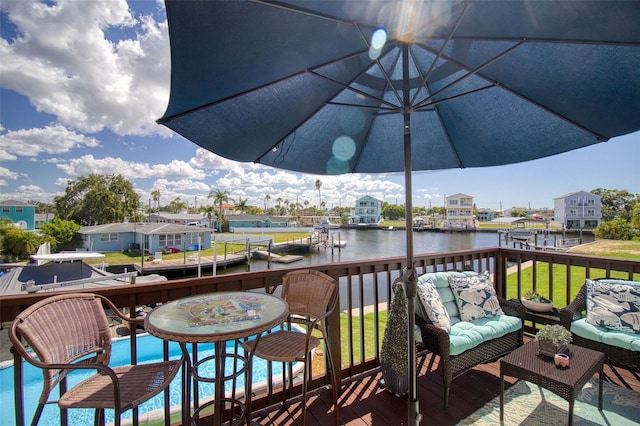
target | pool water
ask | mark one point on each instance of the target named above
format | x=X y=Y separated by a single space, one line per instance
x=149 y=349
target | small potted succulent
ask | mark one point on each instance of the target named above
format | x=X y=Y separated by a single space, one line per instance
x=553 y=339
x=534 y=301
x=394 y=354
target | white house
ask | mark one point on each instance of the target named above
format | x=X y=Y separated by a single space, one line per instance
x=578 y=210
x=367 y=210
x=459 y=211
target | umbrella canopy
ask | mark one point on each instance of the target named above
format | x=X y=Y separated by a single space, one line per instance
x=373 y=86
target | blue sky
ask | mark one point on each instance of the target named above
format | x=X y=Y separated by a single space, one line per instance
x=82 y=83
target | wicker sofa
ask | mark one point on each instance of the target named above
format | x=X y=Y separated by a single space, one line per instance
x=621 y=349
x=459 y=348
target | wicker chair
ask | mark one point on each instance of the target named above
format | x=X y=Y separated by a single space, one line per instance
x=71 y=332
x=437 y=341
x=614 y=355
x=312 y=296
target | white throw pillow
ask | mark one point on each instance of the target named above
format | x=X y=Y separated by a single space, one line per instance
x=475 y=296
x=432 y=305
x=613 y=305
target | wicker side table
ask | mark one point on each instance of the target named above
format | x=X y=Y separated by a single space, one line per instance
x=525 y=363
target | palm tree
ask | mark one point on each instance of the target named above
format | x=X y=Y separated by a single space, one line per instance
x=242 y=206
x=266 y=202
x=219 y=197
x=155 y=194
x=318 y=186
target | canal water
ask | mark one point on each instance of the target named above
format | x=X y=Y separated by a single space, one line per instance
x=379 y=243
x=375 y=244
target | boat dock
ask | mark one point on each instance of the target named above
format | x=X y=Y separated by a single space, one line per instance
x=190 y=264
x=273 y=257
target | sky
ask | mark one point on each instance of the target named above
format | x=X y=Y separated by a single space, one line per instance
x=82 y=84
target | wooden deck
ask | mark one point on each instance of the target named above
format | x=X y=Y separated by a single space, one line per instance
x=364 y=403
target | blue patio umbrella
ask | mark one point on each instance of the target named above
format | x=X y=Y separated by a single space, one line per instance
x=377 y=86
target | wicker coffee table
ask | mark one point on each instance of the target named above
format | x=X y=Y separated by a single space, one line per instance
x=525 y=363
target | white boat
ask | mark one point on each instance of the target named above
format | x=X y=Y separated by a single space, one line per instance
x=339 y=243
x=325 y=225
x=65 y=271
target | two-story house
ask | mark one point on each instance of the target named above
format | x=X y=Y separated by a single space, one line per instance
x=459 y=209
x=578 y=210
x=367 y=210
x=21 y=214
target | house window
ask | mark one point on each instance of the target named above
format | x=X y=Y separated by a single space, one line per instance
x=19 y=209
x=5 y=209
x=170 y=240
x=109 y=237
x=453 y=202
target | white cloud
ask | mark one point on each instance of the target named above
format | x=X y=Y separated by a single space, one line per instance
x=8 y=174
x=64 y=63
x=52 y=139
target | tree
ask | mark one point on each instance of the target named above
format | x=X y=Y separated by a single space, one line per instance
x=219 y=197
x=266 y=201
x=241 y=206
x=616 y=203
x=155 y=194
x=318 y=186
x=393 y=211
x=616 y=229
x=97 y=199
x=60 y=231
x=17 y=243
x=177 y=205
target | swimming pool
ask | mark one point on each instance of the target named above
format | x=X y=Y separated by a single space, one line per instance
x=149 y=350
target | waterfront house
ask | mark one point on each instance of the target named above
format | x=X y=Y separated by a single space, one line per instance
x=150 y=237
x=180 y=219
x=21 y=214
x=486 y=215
x=367 y=210
x=459 y=211
x=578 y=210
x=256 y=221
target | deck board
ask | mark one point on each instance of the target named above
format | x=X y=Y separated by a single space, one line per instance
x=364 y=403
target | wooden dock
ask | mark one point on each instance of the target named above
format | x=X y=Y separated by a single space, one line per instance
x=273 y=257
x=189 y=264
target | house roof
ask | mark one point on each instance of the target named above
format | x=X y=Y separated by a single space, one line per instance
x=261 y=217
x=15 y=203
x=459 y=195
x=576 y=193
x=142 y=228
x=178 y=216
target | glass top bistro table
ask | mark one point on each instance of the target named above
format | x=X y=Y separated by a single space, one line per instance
x=217 y=318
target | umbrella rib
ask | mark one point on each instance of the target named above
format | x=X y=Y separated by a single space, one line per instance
x=476 y=71
x=353 y=89
x=380 y=67
x=470 y=72
x=426 y=76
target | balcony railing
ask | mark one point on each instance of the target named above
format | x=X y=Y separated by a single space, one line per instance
x=365 y=288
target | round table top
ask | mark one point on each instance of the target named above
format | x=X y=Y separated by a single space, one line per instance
x=216 y=317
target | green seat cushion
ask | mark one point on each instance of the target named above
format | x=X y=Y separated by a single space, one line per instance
x=604 y=335
x=465 y=335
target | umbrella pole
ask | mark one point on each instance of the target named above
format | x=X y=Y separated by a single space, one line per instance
x=409 y=273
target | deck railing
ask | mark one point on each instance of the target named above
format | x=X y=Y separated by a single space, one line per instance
x=365 y=289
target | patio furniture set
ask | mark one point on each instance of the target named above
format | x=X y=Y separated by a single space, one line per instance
x=465 y=323
x=460 y=318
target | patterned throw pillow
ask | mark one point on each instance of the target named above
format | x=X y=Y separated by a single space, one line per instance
x=432 y=305
x=613 y=305
x=475 y=296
